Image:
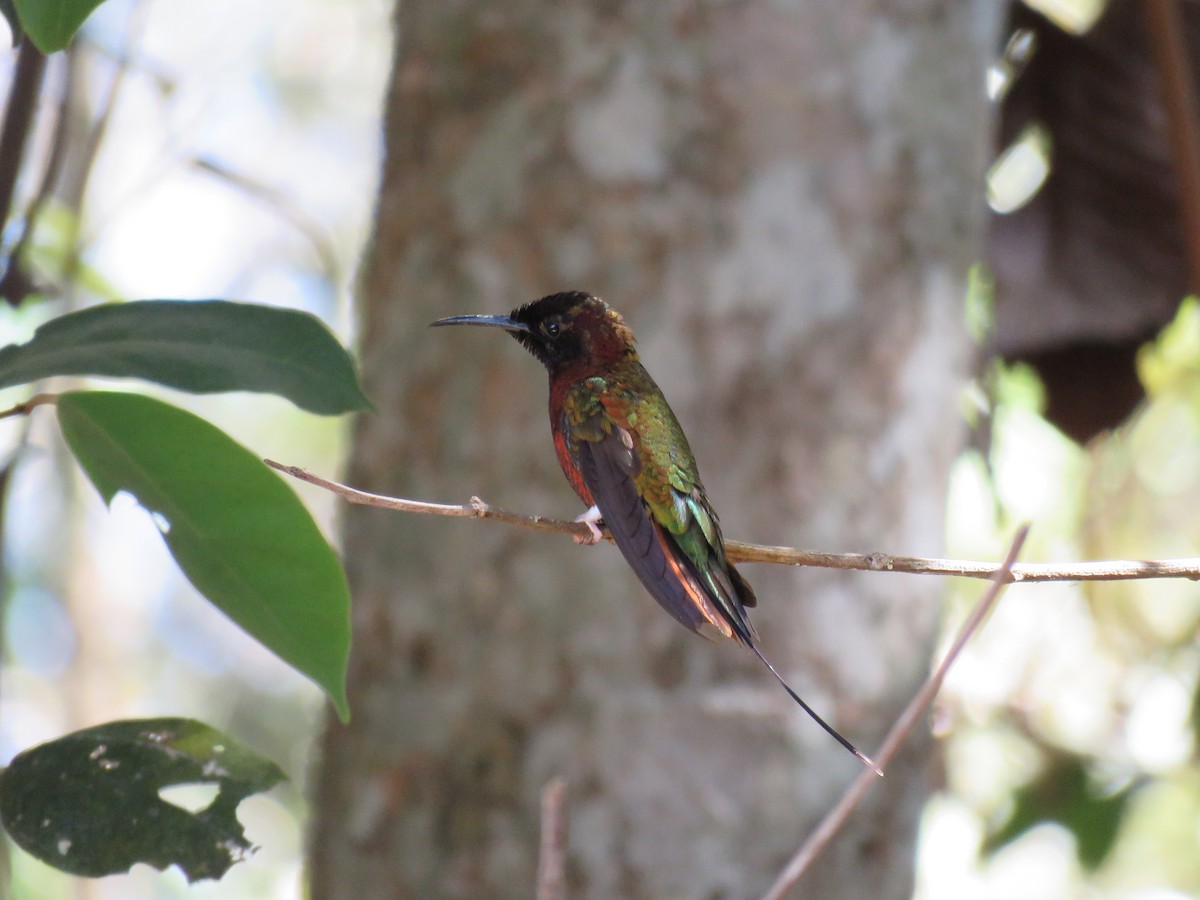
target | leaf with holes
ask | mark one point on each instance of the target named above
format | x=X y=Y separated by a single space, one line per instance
x=238 y=532
x=89 y=803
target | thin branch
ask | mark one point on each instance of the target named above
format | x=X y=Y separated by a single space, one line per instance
x=90 y=145
x=1102 y=570
x=14 y=137
x=19 y=281
x=836 y=817
x=24 y=409
x=18 y=121
x=476 y=509
x=1107 y=570
x=552 y=867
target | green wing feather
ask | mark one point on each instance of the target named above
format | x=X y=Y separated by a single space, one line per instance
x=638 y=467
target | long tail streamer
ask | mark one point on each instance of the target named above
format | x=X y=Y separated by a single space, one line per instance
x=866 y=760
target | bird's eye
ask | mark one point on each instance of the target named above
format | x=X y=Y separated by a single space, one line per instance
x=552 y=329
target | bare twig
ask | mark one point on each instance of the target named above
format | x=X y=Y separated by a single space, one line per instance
x=14 y=136
x=836 y=817
x=24 y=409
x=18 y=120
x=19 y=281
x=476 y=509
x=552 y=867
x=1102 y=570
x=85 y=165
x=1107 y=570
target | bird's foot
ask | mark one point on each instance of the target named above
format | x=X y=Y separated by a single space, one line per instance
x=590 y=518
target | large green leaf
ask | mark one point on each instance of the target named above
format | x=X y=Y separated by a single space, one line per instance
x=201 y=346
x=89 y=803
x=51 y=24
x=237 y=531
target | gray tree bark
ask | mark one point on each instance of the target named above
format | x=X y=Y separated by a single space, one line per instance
x=783 y=199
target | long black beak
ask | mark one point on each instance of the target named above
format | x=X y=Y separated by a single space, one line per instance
x=506 y=322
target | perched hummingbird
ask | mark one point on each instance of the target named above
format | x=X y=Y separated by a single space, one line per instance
x=623 y=451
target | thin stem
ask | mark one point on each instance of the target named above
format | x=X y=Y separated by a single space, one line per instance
x=836 y=817
x=90 y=147
x=24 y=409
x=1104 y=570
x=18 y=282
x=552 y=866
x=18 y=121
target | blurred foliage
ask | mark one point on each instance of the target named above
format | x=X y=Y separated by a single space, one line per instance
x=1078 y=706
x=97 y=622
x=1172 y=363
x=1075 y=16
x=1064 y=792
x=980 y=312
x=1020 y=171
x=51 y=257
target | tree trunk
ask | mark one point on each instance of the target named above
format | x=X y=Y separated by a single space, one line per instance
x=783 y=200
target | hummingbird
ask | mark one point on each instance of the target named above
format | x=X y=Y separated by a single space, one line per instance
x=625 y=455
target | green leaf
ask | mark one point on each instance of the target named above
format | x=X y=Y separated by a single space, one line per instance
x=201 y=346
x=1064 y=793
x=238 y=532
x=51 y=24
x=979 y=306
x=1172 y=360
x=89 y=803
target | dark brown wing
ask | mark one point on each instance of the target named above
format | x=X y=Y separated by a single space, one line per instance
x=609 y=467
